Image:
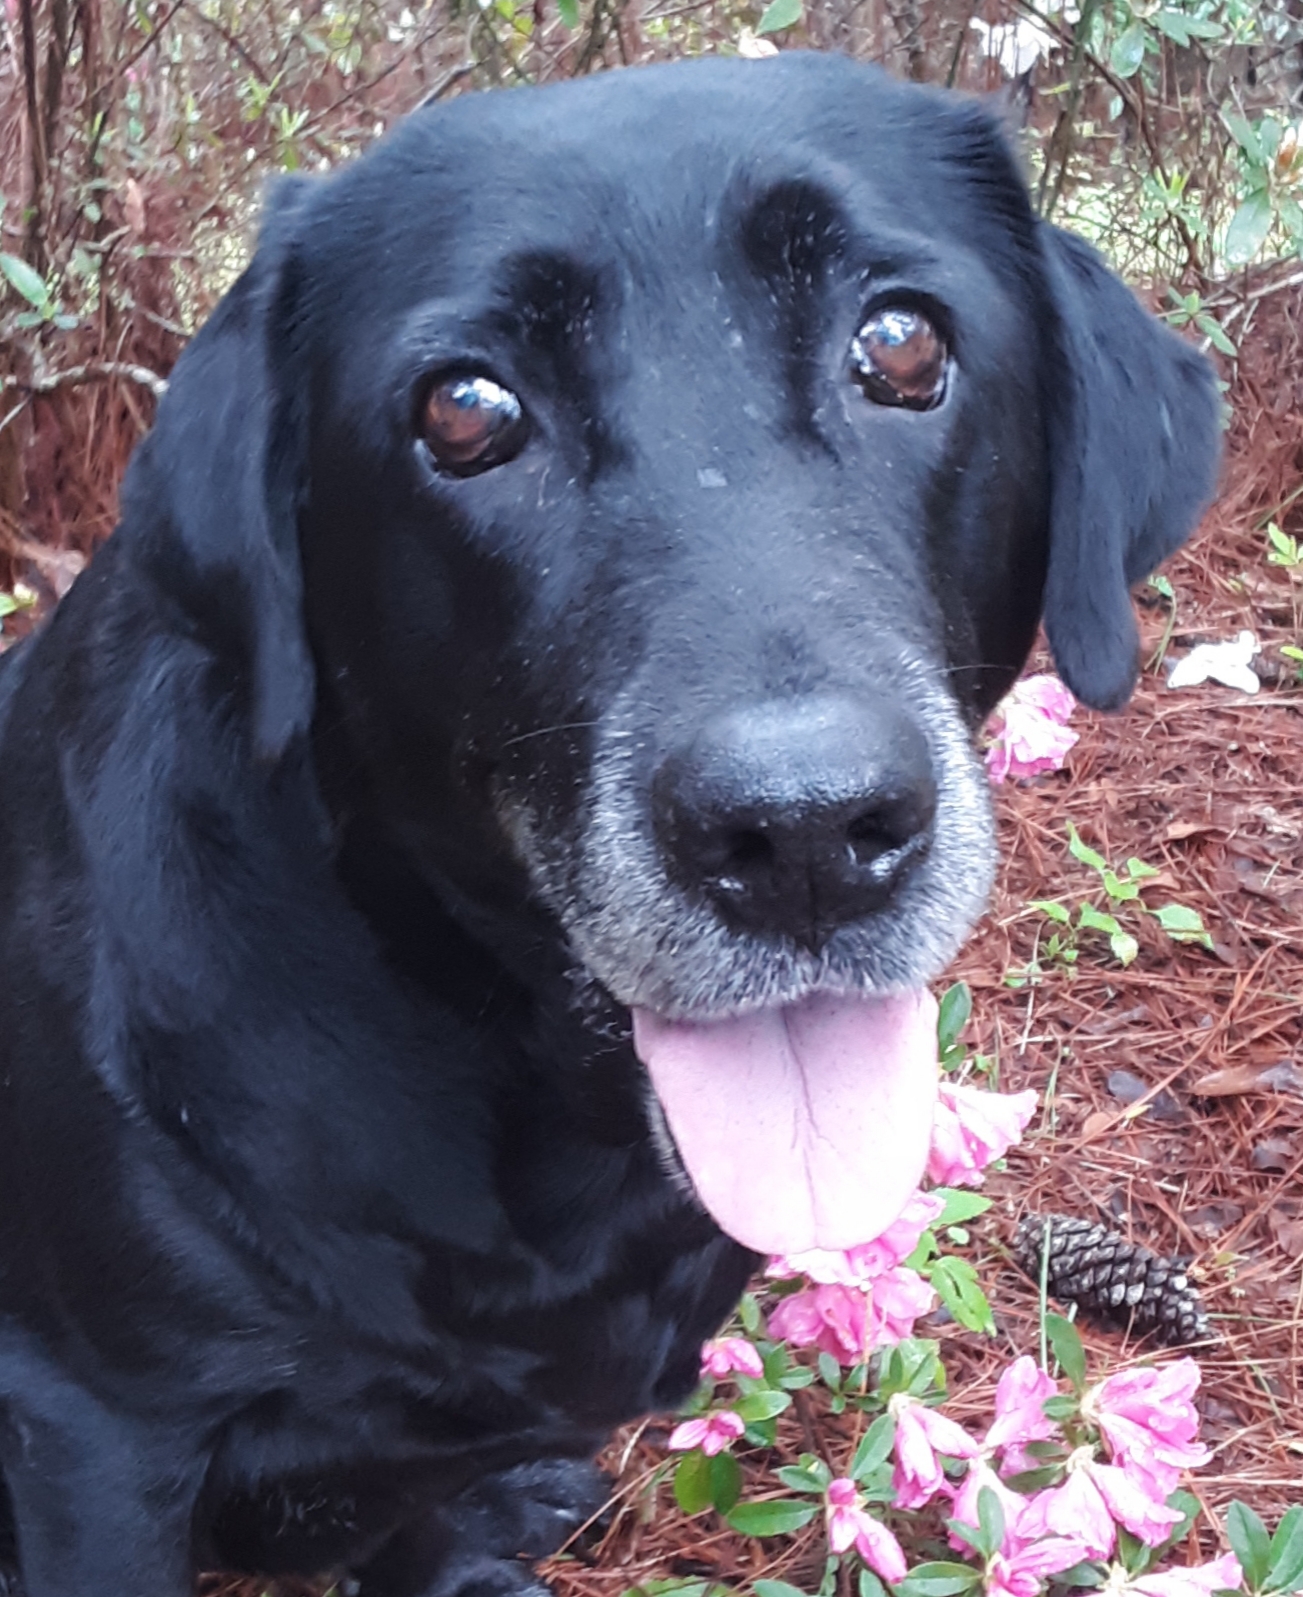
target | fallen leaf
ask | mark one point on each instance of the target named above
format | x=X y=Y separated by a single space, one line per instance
x=1096 y=1123
x=1125 y=1087
x=1211 y=1219
x=1287 y=1232
x=1274 y=1153
x=1128 y=1088
x=1176 y=830
x=1234 y=1079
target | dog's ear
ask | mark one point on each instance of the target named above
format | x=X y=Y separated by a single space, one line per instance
x=214 y=491
x=1134 y=445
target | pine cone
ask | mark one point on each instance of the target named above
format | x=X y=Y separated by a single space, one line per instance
x=1109 y=1277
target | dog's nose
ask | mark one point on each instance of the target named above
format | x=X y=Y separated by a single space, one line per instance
x=796 y=817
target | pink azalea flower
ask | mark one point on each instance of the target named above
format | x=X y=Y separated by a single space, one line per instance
x=1148 y=1418
x=850 y=1525
x=1019 y=1573
x=1223 y=1574
x=1029 y=731
x=964 y=1509
x=712 y=1433
x=898 y=1299
x=973 y=1127
x=922 y=1433
x=832 y=1318
x=850 y=1323
x=729 y=1354
x=1020 y=1413
x=1093 y=1500
x=861 y=1265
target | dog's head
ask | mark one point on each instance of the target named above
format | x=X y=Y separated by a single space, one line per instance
x=653 y=482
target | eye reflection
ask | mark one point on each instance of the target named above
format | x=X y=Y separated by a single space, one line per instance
x=899 y=358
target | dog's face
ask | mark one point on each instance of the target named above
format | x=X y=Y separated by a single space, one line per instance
x=677 y=460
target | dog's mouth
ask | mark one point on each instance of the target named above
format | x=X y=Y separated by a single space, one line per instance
x=804 y=1125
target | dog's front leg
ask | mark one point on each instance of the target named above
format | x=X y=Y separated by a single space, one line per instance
x=102 y=1505
x=484 y=1541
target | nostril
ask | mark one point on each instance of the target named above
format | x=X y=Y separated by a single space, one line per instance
x=749 y=849
x=894 y=828
x=747 y=855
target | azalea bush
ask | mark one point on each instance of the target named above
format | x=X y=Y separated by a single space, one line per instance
x=1071 y=1482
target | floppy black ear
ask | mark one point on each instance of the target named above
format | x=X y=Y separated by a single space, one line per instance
x=1134 y=447
x=214 y=491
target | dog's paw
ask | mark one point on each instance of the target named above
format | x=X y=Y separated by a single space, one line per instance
x=531 y=1510
x=490 y=1577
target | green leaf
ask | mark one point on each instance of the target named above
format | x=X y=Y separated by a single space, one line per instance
x=776 y=1588
x=1160 y=584
x=970 y=1537
x=952 y=1014
x=1250 y=1543
x=777 y=1518
x=957 y=1284
x=568 y=11
x=1029 y=1481
x=762 y=1406
x=960 y=1205
x=749 y=1313
x=938 y=1579
x=990 y=1516
x=875 y=1445
x=1119 y=891
x=1178 y=918
x=694 y=1489
x=1286 y=1572
x=870 y=1585
x=1063 y=1337
x=1138 y=871
x=28 y=282
x=1248 y=229
x=1084 y=1574
x=1125 y=947
x=725 y=1481
x=780 y=14
x=1128 y=51
x=1242 y=131
x=799 y=1478
x=1056 y=912
x=1083 y=851
x=830 y=1372
x=1096 y=920
x=1060 y=1408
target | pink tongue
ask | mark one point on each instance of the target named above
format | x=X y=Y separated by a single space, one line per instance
x=801 y=1127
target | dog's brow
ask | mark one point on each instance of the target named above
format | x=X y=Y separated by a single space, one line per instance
x=543 y=292
x=794 y=229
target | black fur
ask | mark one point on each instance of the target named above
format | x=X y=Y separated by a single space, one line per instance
x=332 y=1230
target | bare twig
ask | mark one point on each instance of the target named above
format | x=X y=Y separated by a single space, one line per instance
x=93 y=372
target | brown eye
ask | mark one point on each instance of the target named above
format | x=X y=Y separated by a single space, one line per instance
x=471 y=423
x=900 y=359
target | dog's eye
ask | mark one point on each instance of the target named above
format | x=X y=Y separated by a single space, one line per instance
x=471 y=423
x=900 y=359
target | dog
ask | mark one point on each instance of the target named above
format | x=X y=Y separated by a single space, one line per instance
x=475 y=842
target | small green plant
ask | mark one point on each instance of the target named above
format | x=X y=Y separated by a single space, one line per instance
x=952 y=1016
x=1291 y=652
x=1283 y=550
x=1122 y=887
x=1188 y=311
x=22 y=598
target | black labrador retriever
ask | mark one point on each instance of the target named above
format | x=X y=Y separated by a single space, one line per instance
x=474 y=844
